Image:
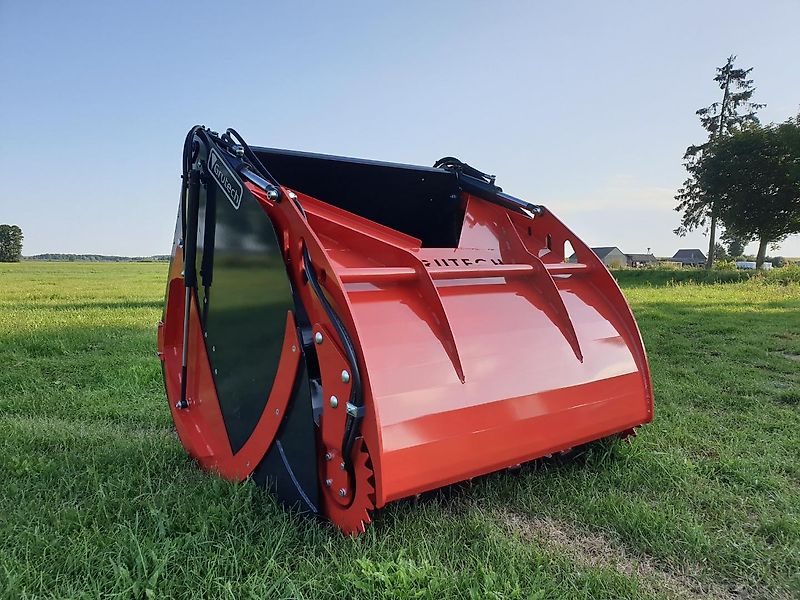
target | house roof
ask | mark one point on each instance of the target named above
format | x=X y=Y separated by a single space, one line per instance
x=603 y=251
x=641 y=257
x=689 y=254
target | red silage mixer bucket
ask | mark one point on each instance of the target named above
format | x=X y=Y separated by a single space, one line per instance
x=348 y=332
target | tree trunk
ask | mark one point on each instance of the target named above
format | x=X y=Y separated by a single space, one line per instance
x=762 y=252
x=712 y=234
x=719 y=133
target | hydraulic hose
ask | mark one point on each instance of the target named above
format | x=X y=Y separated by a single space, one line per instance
x=355 y=406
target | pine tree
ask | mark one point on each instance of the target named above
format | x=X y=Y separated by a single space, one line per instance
x=720 y=120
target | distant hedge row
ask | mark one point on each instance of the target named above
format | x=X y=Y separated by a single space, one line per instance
x=660 y=277
x=97 y=258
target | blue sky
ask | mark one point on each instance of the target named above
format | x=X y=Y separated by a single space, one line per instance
x=585 y=107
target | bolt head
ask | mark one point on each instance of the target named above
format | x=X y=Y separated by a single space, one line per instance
x=318 y=337
x=341 y=465
x=345 y=377
x=328 y=482
x=342 y=492
x=334 y=402
x=272 y=195
x=292 y=196
x=328 y=456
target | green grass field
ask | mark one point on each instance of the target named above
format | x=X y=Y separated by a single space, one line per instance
x=97 y=497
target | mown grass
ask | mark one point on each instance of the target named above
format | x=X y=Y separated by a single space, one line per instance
x=98 y=499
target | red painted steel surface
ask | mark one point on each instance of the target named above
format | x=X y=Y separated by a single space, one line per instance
x=472 y=358
x=549 y=354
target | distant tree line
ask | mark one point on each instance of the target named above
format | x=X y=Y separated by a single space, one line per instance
x=10 y=243
x=745 y=177
x=97 y=258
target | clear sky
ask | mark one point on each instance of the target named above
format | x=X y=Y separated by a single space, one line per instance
x=585 y=107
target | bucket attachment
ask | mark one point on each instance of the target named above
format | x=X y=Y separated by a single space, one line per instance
x=349 y=332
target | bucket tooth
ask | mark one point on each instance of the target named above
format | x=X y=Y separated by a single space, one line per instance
x=395 y=257
x=542 y=282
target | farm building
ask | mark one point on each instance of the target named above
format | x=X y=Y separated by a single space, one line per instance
x=641 y=260
x=610 y=255
x=751 y=264
x=690 y=256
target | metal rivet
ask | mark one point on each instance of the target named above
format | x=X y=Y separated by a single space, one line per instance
x=345 y=377
x=318 y=337
x=328 y=456
x=328 y=482
x=341 y=466
x=334 y=402
x=342 y=492
x=294 y=348
x=277 y=411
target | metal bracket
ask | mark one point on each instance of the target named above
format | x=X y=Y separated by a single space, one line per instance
x=355 y=411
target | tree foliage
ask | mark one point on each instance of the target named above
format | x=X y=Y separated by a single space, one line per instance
x=10 y=243
x=735 y=111
x=754 y=176
x=735 y=245
x=720 y=253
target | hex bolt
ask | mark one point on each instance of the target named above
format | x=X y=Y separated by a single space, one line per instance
x=328 y=456
x=334 y=402
x=328 y=482
x=345 y=377
x=341 y=465
x=318 y=337
x=342 y=492
x=277 y=411
x=292 y=196
x=273 y=195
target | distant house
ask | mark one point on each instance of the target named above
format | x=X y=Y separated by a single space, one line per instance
x=610 y=255
x=690 y=256
x=641 y=260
